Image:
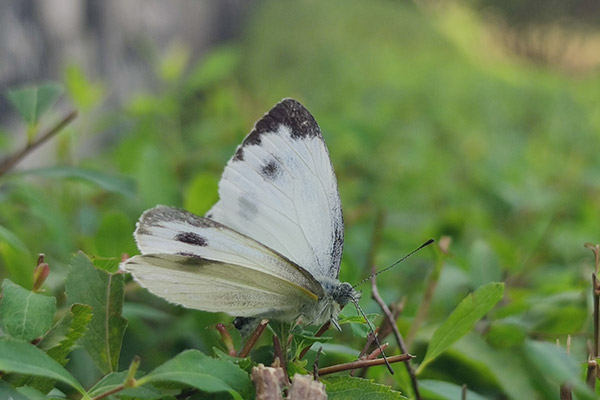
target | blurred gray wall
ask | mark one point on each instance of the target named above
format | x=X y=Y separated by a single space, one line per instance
x=115 y=40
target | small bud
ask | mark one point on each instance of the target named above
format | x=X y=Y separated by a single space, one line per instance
x=40 y=274
x=445 y=244
x=227 y=340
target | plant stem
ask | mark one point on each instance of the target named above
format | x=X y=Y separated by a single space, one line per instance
x=8 y=163
x=254 y=338
x=363 y=364
x=398 y=336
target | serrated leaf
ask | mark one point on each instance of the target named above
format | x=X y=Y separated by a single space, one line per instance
x=440 y=390
x=111 y=183
x=25 y=314
x=79 y=317
x=347 y=387
x=33 y=101
x=207 y=374
x=108 y=264
x=104 y=293
x=462 y=320
x=25 y=358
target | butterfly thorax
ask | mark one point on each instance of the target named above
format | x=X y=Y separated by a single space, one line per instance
x=337 y=295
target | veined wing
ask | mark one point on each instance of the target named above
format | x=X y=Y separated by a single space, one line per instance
x=280 y=189
x=216 y=286
x=167 y=230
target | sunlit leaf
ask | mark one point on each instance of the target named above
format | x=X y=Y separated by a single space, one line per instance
x=462 y=320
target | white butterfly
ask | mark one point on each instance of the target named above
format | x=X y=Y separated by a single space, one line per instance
x=271 y=246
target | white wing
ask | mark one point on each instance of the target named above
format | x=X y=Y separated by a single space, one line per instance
x=219 y=287
x=167 y=230
x=280 y=189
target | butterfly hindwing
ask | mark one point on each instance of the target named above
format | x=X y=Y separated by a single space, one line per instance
x=280 y=189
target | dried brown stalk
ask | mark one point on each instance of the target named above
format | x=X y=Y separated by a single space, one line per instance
x=253 y=338
x=363 y=364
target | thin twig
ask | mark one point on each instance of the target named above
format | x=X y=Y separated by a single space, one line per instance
x=363 y=364
x=592 y=367
x=112 y=391
x=411 y=372
x=464 y=392
x=319 y=333
x=254 y=338
x=279 y=355
x=316 y=364
x=8 y=163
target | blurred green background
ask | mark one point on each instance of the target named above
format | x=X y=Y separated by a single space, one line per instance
x=434 y=115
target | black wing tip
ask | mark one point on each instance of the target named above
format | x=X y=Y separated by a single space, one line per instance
x=288 y=112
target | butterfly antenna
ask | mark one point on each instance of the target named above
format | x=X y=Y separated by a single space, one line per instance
x=427 y=243
x=387 y=364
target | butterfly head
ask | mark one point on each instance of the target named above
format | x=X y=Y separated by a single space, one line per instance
x=344 y=294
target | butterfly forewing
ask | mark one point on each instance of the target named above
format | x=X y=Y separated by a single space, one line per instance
x=280 y=189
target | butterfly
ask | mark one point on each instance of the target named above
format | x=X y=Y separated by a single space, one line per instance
x=271 y=247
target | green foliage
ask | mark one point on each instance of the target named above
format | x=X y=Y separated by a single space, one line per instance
x=104 y=293
x=462 y=320
x=25 y=315
x=207 y=374
x=346 y=387
x=25 y=358
x=33 y=101
x=423 y=119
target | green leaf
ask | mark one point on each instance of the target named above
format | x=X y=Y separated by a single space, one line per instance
x=104 y=293
x=440 y=390
x=483 y=264
x=207 y=374
x=462 y=320
x=218 y=65
x=154 y=171
x=84 y=93
x=201 y=194
x=80 y=317
x=25 y=314
x=115 y=235
x=347 y=387
x=32 y=102
x=108 y=264
x=111 y=183
x=12 y=239
x=25 y=358
x=9 y=392
x=556 y=365
x=76 y=322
